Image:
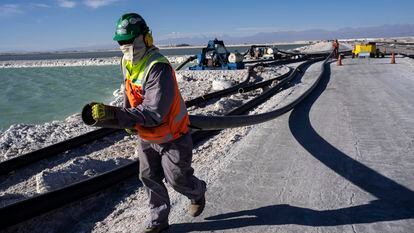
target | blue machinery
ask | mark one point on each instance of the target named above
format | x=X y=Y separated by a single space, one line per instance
x=216 y=56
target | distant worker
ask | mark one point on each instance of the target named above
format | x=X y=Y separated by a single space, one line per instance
x=154 y=108
x=335 y=46
x=256 y=53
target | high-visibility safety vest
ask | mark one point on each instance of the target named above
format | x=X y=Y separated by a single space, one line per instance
x=176 y=121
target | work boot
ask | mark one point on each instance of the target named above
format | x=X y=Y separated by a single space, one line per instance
x=157 y=228
x=197 y=206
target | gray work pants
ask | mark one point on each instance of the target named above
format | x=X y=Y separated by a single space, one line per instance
x=171 y=161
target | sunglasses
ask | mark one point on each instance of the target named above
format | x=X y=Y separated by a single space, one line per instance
x=124 y=42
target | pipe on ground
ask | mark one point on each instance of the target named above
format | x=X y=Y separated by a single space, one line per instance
x=185 y=62
x=223 y=122
x=88 y=119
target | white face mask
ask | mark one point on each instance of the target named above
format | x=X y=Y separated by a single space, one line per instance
x=128 y=51
x=135 y=51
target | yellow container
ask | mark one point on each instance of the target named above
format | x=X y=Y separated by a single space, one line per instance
x=364 y=48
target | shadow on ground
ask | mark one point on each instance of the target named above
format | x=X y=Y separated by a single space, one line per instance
x=395 y=202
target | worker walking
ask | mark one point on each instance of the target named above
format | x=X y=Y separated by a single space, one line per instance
x=154 y=109
x=335 y=46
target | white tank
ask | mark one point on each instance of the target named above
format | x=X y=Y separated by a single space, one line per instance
x=235 y=57
x=269 y=51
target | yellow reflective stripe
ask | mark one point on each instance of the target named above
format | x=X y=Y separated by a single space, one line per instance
x=124 y=69
x=148 y=68
x=182 y=112
x=138 y=73
x=151 y=58
x=157 y=58
x=134 y=71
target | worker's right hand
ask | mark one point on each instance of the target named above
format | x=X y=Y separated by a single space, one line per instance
x=102 y=112
x=131 y=131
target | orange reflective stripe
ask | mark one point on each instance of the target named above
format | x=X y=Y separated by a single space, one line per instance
x=166 y=138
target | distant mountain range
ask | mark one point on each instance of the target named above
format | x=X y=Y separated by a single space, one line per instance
x=400 y=30
x=384 y=31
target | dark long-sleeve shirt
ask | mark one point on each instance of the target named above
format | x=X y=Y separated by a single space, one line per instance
x=158 y=96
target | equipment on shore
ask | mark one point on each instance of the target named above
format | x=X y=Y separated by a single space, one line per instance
x=263 y=51
x=216 y=56
x=235 y=58
x=367 y=50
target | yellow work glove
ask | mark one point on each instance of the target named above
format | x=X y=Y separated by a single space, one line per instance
x=131 y=131
x=102 y=112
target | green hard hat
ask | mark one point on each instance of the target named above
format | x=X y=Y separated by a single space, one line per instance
x=130 y=26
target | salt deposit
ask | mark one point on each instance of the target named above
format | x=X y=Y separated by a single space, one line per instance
x=227 y=103
x=23 y=138
x=196 y=83
x=68 y=167
x=76 y=170
x=221 y=84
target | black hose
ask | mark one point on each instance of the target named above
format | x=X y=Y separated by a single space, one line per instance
x=223 y=122
x=300 y=58
x=200 y=134
x=34 y=206
x=220 y=93
x=185 y=62
x=408 y=55
x=288 y=53
x=264 y=83
x=242 y=85
x=314 y=54
x=49 y=151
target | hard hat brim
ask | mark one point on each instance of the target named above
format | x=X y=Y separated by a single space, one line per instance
x=118 y=37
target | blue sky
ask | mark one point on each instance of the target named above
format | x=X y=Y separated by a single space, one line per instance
x=35 y=25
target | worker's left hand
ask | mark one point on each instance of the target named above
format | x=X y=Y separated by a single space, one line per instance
x=102 y=112
x=131 y=131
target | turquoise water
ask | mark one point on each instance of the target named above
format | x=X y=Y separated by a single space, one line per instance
x=38 y=95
